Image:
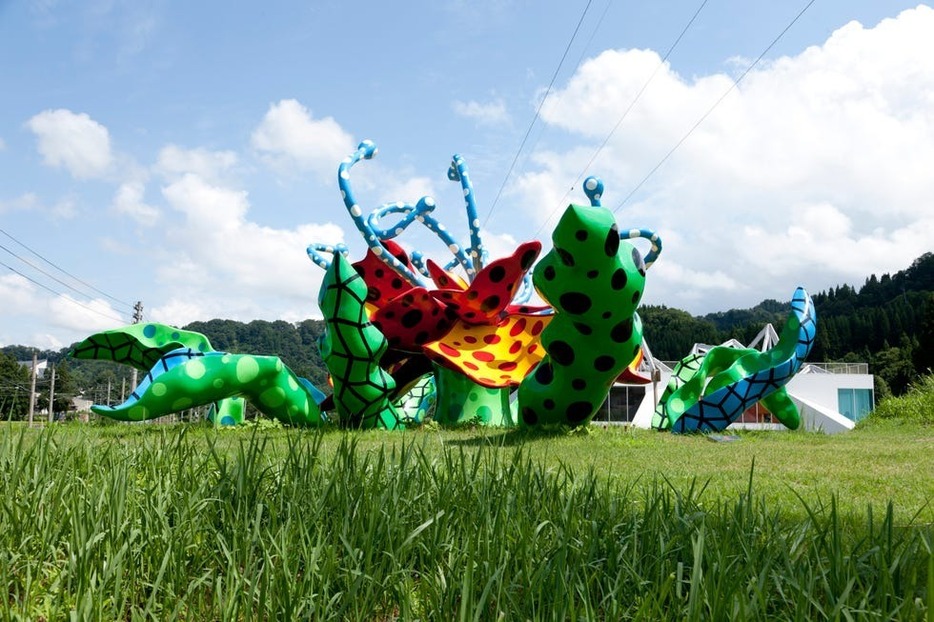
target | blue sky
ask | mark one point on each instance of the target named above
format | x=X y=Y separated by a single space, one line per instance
x=185 y=157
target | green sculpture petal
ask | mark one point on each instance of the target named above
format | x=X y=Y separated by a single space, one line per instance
x=730 y=380
x=416 y=404
x=138 y=345
x=352 y=348
x=689 y=369
x=461 y=400
x=228 y=411
x=782 y=408
x=682 y=372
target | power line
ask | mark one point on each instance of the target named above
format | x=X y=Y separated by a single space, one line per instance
x=58 y=293
x=715 y=104
x=580 y=59
x=38 y=269
x=537 y=112
x=593 y=33
x=625 y=113
x=62 y=270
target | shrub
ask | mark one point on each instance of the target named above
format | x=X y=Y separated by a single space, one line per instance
x=915 y=407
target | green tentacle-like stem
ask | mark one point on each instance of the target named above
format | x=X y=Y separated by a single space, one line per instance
x=352 y=347
x=263 y=380
x=142 y=345
x=594 y=282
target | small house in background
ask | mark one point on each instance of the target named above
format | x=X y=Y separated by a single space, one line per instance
x=41 y=367
x=82 y=408
x=831 y=397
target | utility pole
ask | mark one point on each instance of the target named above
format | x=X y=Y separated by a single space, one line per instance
x=32 y=388
x=137 y=318
x=52 y=397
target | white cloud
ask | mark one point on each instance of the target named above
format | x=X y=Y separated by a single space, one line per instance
x=17 y=293
x=24 y=202
x=500 y=245
x=408 y=190
x=24 y=303
x=174 y=161
x=228 y=266
x=290 y=137
x=64 y=209
x=814 y=171
x=129 y=200
x=82 y=317
x=492 y=113
x=73 y=141
x=179 y=312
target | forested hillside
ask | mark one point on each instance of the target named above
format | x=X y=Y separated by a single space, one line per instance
x=888 y=323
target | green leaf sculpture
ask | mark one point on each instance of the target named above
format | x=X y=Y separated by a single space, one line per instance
x=352 y=348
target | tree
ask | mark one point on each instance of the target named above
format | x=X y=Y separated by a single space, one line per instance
x=924 y=353
x=14 y=388
x=894 y=366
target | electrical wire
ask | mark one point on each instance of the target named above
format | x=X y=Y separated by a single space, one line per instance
x=62 y=270
x=622 y=117
x=38 y=269
x=58 y=293
x=715 y=104
x=580 y=59
x=593 y=33
x=537 y=113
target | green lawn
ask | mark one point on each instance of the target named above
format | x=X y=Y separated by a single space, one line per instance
x=872 y=466
x=156 y=522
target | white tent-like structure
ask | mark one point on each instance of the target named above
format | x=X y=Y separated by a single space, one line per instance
x=831 y=397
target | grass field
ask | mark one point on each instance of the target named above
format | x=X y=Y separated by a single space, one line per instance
x=153 y=522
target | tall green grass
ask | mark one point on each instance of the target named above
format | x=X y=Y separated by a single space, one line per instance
x=916 y=407
x=163 y=526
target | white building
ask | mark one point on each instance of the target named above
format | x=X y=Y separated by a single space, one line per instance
x=831 y=397
x=41 y=367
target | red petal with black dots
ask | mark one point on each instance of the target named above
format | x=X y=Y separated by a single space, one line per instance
x=444 y=279
x=382 y=282
x=493 y=288
x=413 y=319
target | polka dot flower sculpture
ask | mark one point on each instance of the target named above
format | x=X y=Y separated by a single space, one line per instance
x=477 y=334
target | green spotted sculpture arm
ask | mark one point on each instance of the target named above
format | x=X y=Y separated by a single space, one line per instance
x=185 y=378
x=141 y=346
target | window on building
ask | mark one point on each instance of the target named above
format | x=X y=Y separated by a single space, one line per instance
x=854 y=404
x=621 y=404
